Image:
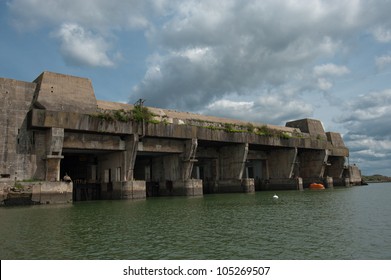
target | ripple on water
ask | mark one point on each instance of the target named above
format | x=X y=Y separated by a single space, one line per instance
x=347 y=223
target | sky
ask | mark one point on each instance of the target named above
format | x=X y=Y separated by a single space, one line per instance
x=269 y=61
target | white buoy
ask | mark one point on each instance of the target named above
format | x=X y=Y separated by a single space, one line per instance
x=275 y=196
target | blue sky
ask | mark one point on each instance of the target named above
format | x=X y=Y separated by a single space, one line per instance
x=268 y=61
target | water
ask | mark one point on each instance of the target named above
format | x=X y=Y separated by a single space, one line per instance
x=341 y=223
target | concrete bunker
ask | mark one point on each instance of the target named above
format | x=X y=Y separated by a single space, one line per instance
x=110 y=154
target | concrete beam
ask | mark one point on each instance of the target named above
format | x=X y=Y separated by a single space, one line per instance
x=90 y=141
x=159 y=145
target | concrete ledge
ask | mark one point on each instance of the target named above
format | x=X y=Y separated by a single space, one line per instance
x=284 y=184
x=191 y=187
x=133 y=190
x=35 y=193
x=52 y=192
x=235 y=186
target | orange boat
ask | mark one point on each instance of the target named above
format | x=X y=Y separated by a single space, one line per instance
x=317 y=186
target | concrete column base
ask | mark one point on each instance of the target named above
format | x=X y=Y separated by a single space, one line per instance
x=248 y=185
x=133 y=190
x=191 y=187
x=235 y=186
x=329 y=182
x=347 y=182
x=338 y=182
x=284 y=184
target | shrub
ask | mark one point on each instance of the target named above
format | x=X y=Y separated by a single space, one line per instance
x=141 y=113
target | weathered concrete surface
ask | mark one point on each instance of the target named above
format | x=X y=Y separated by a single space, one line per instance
x=35 y=193
x=133 y=190
x=233 y=159
x=15 y=101
x=234 y=186
x=77 y=121
x=124 y=190
x=313 y=127
x=284 y=184
x=52 y=192
x=190 y=187
x=282 y=163
x=93 y=141
x=58 y=92
x=354 y=175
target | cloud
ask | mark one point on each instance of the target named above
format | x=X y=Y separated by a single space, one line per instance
x=368 y=126
x=243 y=50
x=330 y=70
x=382 y=34
x=98 y=14
x=273 y=108
x=324 y=84
x=382 y=61
x=323 y=73
x=83 y=48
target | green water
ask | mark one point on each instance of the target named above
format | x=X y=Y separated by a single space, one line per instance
x=340 y=223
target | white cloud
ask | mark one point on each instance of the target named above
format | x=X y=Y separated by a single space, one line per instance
x=323 y=73
x=330 y=70
x=230 y=109
x=383 y=61
x=382 y=34
x=367 y=120
x=81 y=47
x=98 y=14
x=324 y=84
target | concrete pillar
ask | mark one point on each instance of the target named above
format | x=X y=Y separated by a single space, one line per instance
x=53 y=168
x=299 y=182
x=329 y=182
x=131 y=145
x=54 y=145
x=189 y=158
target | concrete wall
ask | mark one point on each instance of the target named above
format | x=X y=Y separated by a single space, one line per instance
x=312 y=163
x=232 y=161
x=281 y=163
x=15 y=145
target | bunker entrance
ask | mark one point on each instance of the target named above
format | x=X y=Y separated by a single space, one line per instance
x=82 y=168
